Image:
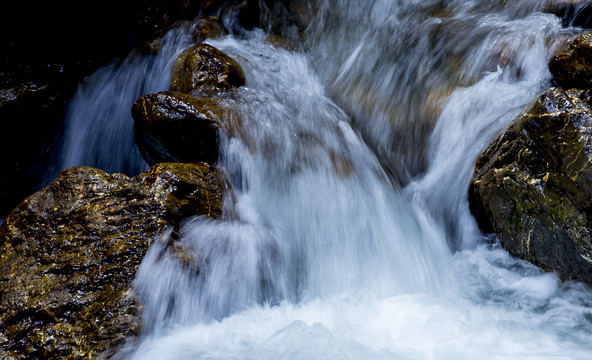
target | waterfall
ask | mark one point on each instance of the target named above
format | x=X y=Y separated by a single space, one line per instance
x=350 y=235
x=98 y=129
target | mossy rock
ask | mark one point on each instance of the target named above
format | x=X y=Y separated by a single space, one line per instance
x=533 y=185
x=176 y=127
x=203 y=70
x=69 y=254
x=572 y=67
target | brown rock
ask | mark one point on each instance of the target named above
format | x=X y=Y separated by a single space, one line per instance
x=172 y=126
x=572 y=67
x=533 y=186
x=69 y=254
x=203 y=70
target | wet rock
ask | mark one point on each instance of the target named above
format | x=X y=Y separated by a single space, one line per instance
x=54 y=46
x=572 y=67
x=203 y=28
x=203 y=70
x=69 y=254
x=533 y=185
x=177 y=127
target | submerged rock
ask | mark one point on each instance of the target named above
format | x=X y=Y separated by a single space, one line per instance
x=69 y=254
x=201 y=29
x=533 y=185
x=172 y=126
x=572 y=67
x=203 y=70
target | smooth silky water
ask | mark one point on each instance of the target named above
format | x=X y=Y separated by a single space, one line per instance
x=98 y=128
x=347 y=233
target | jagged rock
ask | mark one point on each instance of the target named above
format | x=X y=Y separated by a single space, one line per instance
x=69 y=253
x=533 y=185
x=203 y=70
x=177 y=127
x=572 y=67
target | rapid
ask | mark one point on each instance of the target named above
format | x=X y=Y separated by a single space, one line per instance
x=349 y=234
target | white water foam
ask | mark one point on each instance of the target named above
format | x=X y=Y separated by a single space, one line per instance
x=324 y=254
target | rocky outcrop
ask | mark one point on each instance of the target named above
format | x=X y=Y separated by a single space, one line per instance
x=182 y=124
x=172 y=126
x=572 y=67
x=69 y=253
x=533 y=185
x=46 y=50
x=203 y=70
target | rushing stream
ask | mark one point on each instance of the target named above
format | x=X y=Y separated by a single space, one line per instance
x=350 y=236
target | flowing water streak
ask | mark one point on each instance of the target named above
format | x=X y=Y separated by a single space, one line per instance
x=326 y=256
x=98 y=128
x=315 y=215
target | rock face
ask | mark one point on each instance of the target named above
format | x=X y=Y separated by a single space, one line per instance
x=177 y=127
x=69 y=254
x=46 y=51
x=203 y=70
x=572 y=67
x=533 y=185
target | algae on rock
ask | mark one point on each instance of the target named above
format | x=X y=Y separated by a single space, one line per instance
x=69 y=254
x=533 y=185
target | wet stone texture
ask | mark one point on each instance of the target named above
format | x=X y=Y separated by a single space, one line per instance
x=203 y=70
x=177 y=127
x=533 y=185
x=69 y=254
x=182 y=124
x=572 y=67
x=46 y=50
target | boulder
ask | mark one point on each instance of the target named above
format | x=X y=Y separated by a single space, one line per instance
x=46 y=50
x=177 y=127
x=572 y=67
x=203 y=70
x=69 y=254
x=533 y=185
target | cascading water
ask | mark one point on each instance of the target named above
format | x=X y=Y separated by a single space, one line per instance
x=98 y=129
x=350 y=235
